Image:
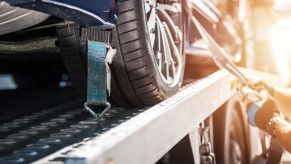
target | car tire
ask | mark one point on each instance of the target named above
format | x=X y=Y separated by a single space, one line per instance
x=141 y=72
x=231 y=134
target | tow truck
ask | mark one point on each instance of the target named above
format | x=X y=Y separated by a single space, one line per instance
x=201 y=123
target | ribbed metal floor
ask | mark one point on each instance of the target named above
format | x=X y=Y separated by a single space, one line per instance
x=33 y=136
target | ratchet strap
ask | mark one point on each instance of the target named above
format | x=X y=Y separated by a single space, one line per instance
x=100 y=55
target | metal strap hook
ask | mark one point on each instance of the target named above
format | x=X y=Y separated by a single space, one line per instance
x=94 y=114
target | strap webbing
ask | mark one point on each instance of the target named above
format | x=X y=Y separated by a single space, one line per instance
x=96 y=89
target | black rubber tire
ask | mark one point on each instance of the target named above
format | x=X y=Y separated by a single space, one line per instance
x=71 y=51
x=135 y=77
x=143 y=86
x=231 y=133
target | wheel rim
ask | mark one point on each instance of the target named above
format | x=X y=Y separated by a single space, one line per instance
x=237 y=150
x=166 y=39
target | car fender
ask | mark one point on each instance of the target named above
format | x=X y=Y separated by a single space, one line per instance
x=99 y=13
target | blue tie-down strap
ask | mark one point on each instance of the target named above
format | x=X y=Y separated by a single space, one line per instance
x=96 y=82
x=97 y=78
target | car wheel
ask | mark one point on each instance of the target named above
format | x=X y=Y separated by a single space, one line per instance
x=150 y=60
x=231 y=144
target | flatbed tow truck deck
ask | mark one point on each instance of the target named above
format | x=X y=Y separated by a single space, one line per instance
x=124 y=136
x=66 y=133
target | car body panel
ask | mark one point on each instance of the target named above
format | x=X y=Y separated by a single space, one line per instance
x=100 y=13
x=14 y=18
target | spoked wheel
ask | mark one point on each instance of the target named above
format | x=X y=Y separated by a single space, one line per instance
x=231 y=142
x=149 y=63
x=149 y=37
x=166 y=39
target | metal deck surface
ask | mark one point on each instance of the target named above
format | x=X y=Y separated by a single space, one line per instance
x=33 y=134
x=60 y=130
x=148 y=136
